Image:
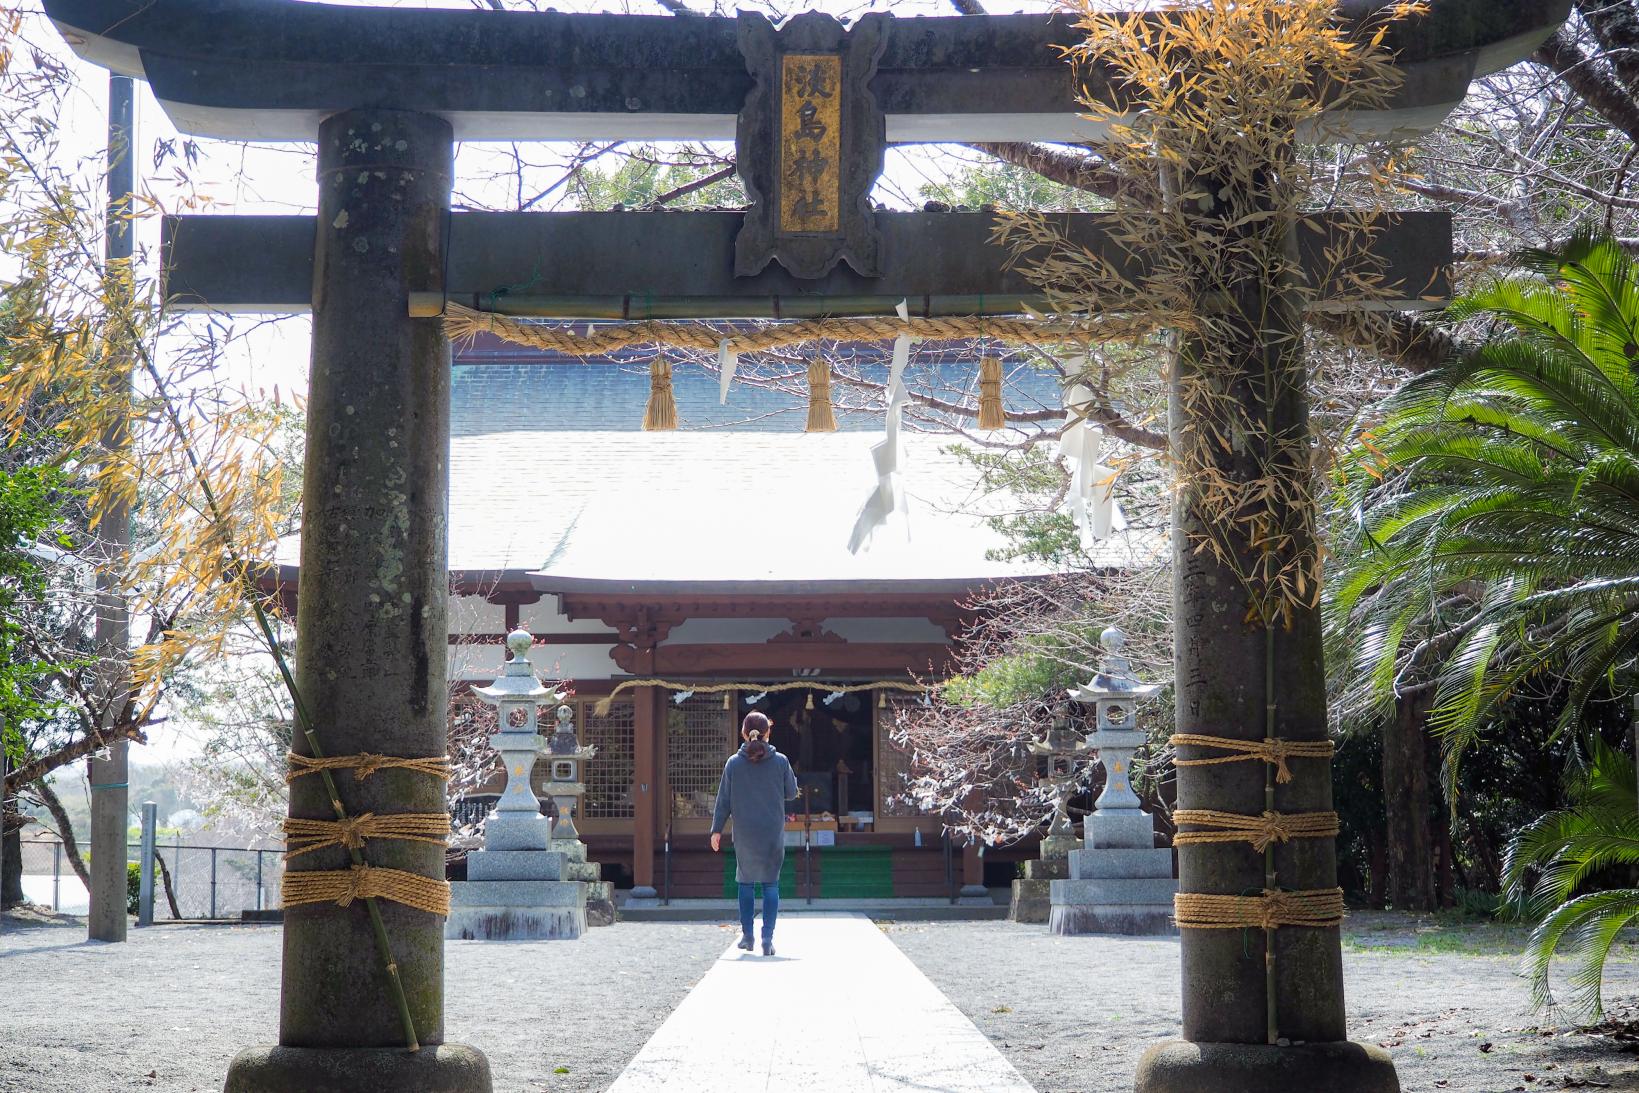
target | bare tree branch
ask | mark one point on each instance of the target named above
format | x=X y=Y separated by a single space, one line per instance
x=65 y=829
x=1602 y=93
x=698 y=184
x=1078 y=171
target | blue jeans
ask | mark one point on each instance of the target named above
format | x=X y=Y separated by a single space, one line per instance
x=771 y=908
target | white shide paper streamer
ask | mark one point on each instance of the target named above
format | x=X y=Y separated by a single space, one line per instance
x=1091 y=499
x=888 y=454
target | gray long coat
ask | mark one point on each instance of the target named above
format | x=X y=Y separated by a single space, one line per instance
x=754 y=794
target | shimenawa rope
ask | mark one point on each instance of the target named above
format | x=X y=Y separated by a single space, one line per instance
x=463 y=323
x=1269 y=750
x=1261 y=831
x=1317 y=908
x=304 y=836
x=365 y=764
x=343 y=886
x=603 y=704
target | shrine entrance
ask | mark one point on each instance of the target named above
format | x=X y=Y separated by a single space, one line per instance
x=811 y=105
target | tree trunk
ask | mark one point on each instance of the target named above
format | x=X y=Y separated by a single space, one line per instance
x=65 y=831
x=1446 y=875
x=170 y=892
x=1406 y=806
x=1380 y=869
x=11 y=878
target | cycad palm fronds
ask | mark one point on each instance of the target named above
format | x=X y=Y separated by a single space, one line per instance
x=1553 y=859
x=1494 y=542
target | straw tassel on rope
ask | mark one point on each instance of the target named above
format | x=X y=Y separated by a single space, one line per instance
x=661 y=413
x=992 y=415
x=821 y=417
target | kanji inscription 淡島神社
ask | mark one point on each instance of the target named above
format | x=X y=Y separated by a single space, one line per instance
x=810 y=184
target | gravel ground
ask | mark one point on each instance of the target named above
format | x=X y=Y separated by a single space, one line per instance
x=168 y=1010
x=1075 y=1013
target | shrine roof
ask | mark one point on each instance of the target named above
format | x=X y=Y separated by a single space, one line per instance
x=498 y=388
x=708 y=511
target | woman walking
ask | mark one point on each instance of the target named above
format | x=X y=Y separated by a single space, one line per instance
x=757 y=781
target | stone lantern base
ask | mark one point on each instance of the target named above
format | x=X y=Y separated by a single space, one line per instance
x=599 y=903
x=515 y=889
x=1032 y=893
x=1120 y=884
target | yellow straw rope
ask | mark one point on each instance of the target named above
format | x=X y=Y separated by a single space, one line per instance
x=1269 y=749
x=603 y=704
x=365 y=764
x=1318 y=908
x=992 y=414
x=304 y=836
x=821 y=417
x=463 y=323
x=1261 y=831
x=343 y=886
x=660 y=415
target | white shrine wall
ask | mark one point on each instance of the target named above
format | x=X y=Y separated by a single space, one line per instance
x=473 y=616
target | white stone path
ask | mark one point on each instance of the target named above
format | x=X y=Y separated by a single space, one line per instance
x=838 y=1009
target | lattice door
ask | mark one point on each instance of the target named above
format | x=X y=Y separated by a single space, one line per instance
x=608 y=776
x=893 y=763
x=699 y=740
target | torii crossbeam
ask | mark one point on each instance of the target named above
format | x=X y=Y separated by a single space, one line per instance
x=811 y=105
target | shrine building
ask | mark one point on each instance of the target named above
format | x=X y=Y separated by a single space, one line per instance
x=717 y=554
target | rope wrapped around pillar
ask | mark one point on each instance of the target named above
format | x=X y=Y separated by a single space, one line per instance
x=343 y=886
x=1261 y=831
x=305 y=836
x=1318 y=908
x=1269 y=750
x=363 y=764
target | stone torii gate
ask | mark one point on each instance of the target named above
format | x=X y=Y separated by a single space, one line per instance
x=811 y=106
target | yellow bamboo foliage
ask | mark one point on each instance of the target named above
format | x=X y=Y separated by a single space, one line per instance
x=200 y=476
x=1206 y=183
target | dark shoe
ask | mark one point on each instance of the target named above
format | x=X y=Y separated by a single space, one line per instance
x=768 y=947
x=745 y=943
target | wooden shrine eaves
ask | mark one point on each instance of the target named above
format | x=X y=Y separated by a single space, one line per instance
x=271 y=69
x=636 y=265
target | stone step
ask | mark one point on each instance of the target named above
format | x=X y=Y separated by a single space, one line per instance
x=515 y=865
x=1120 y=830
x=518 y=831
x=1105 y=891
x=517 y=893
x=1117 y=864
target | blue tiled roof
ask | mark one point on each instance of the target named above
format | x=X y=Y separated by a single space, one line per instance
x=500 y=389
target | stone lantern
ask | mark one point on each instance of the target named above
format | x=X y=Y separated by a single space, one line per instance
x=566 y=762
x=515 y=887
x=1120 y=883
x=516 y=696
x=1061 y=748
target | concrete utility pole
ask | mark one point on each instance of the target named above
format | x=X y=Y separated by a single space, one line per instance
x=145 y=891
x=110 y=795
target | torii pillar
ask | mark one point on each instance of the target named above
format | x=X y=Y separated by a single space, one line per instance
x=371 y=658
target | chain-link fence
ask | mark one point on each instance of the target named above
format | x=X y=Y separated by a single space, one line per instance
x=190 y=882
